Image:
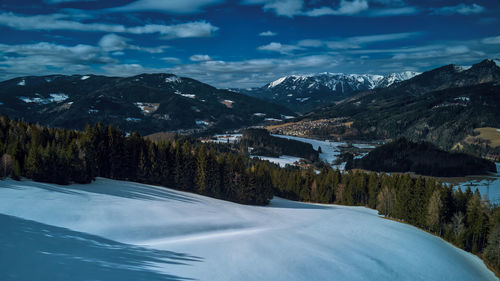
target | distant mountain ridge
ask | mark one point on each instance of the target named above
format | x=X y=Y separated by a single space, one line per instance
x=147 y=103
x=442 y=106
x=305 y=92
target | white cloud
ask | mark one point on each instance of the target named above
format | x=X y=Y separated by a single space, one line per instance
x=60 y=22
x=112 y=43
x=291 y=8
x=280 y=48
x=287 y=8
x=65 y=1
x=268 y=33
x=355 y=42
x=462 y=9
x=386 y=12
x=171 y=59
x=436 y=53
x=168 y=6
x=200 y=58
x=43 y=57
x=491 y=40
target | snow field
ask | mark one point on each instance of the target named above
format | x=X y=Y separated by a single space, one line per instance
x=117 y=230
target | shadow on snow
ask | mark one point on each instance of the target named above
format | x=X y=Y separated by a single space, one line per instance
x=130 y=190
x=35 y=251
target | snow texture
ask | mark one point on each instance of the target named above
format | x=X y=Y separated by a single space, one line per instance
x=336 y=81
x=191 y=96
x=172 y=79
x=132 y=119
x=114 y=230
x=22 y=83
x=55 y=97
x=283 y=160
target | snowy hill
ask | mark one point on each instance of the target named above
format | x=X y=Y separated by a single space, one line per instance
x=303 y=92
x=114 y=230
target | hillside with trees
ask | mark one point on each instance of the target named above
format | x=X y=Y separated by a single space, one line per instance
x=422 y=158
x=442 y=106
x=263 y=144
x=62 y=156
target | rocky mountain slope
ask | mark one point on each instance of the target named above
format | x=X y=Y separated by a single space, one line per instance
x=441 y=106
x=302 y=93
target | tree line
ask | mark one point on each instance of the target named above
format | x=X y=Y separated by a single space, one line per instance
x=460 y=217
x=64 y=156
x=263 y=144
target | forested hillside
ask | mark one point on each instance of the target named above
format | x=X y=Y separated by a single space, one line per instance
x=147 y=103
x=62 y=156
x=263 y=144
x=442 y=106
x=421 y=158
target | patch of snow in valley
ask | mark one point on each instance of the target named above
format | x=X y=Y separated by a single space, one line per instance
x=55 y=97
x=202 y=123
x=93 y=111
x=22 y=83
x=191 y=96
x=146 y=107
x=229 y=138
x=282 y=161
x=303 y=99
x=489 y=187
x=58 y=97
x=259 y=114
x=329 y=150
x=132 y=119
x=85 y=77
x=116 y=230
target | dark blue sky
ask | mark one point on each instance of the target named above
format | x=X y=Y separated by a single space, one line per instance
x=243 y=43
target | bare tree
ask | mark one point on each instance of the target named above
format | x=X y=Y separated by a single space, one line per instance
x=385 y=202
x=433 y=211
x=6 y=165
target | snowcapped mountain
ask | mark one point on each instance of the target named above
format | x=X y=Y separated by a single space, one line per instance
x=304 y=92
x=392 y=78
x=339 y=81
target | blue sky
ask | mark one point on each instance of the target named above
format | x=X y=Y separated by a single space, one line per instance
x=243 y=43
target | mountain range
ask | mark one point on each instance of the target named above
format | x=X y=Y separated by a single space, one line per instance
x=442 y=106
x=146 y=103
x=303 y=93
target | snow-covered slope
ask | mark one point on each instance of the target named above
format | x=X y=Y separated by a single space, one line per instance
x=339 y=81
x=392 y=78
x=113 y=230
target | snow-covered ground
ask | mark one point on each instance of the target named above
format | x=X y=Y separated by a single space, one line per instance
x=283 y=160
x=114 y=230
x=330 y=151
x=489 y=187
